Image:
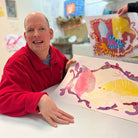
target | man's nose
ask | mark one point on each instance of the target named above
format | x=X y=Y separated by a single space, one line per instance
x=36 y=33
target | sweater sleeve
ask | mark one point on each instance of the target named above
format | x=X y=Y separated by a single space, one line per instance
x=133 y=7
x=16 y=96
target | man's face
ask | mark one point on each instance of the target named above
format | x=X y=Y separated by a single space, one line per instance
x=38 y=34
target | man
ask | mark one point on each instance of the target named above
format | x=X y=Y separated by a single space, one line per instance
x=131 y=7
x=32 y=69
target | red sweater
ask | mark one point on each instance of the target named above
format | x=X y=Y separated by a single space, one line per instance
x=23 y=79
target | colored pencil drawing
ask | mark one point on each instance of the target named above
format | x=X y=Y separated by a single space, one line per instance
x=108 y=88
x=114 y=36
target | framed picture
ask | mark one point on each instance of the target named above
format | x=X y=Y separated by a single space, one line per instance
x=11 y=8
x=73 y=8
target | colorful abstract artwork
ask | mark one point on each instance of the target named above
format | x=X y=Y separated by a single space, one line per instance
x=73 y=7
x=103 y=85
x=113 y=36
x=14 y=42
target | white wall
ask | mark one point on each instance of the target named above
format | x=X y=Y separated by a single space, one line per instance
x=94 y=7
x=12 y=26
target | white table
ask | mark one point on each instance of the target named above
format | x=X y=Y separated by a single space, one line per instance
x=88 y=124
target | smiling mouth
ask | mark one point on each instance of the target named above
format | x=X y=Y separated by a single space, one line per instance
x=38 y=42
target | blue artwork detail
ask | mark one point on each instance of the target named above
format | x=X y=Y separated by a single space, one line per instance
x=113 y=43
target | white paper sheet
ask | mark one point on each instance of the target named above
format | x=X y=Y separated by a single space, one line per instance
x=103 y=85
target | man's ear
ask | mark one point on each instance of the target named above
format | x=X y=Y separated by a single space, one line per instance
x=51 y=33
x=25 y=35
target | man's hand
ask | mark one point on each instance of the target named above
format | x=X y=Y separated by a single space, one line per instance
x=52 y=113
x=71 y=61
x=123 y=10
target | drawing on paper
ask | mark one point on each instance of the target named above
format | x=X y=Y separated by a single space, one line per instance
x=14 y=42
x=108 y=89
x=114 y=37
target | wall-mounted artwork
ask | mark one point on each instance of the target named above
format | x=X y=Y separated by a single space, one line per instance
x=11 y=8
x=14 y=42
x=113 y=36
x=73 y=7
x=103 y=85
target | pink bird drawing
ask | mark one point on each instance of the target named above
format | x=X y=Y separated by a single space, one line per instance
x=85 y=83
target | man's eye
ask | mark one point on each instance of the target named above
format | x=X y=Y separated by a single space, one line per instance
x=42 y=29
x=30 y=30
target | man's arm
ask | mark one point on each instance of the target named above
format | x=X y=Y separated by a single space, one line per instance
x=133 y=7
x=16 y=96
x=130 y=7
x=123 y=10
x=52 y=113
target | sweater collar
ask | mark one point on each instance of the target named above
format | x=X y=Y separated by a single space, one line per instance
x=36 y=61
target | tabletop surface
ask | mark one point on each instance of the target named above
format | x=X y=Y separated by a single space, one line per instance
x=88 y=124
